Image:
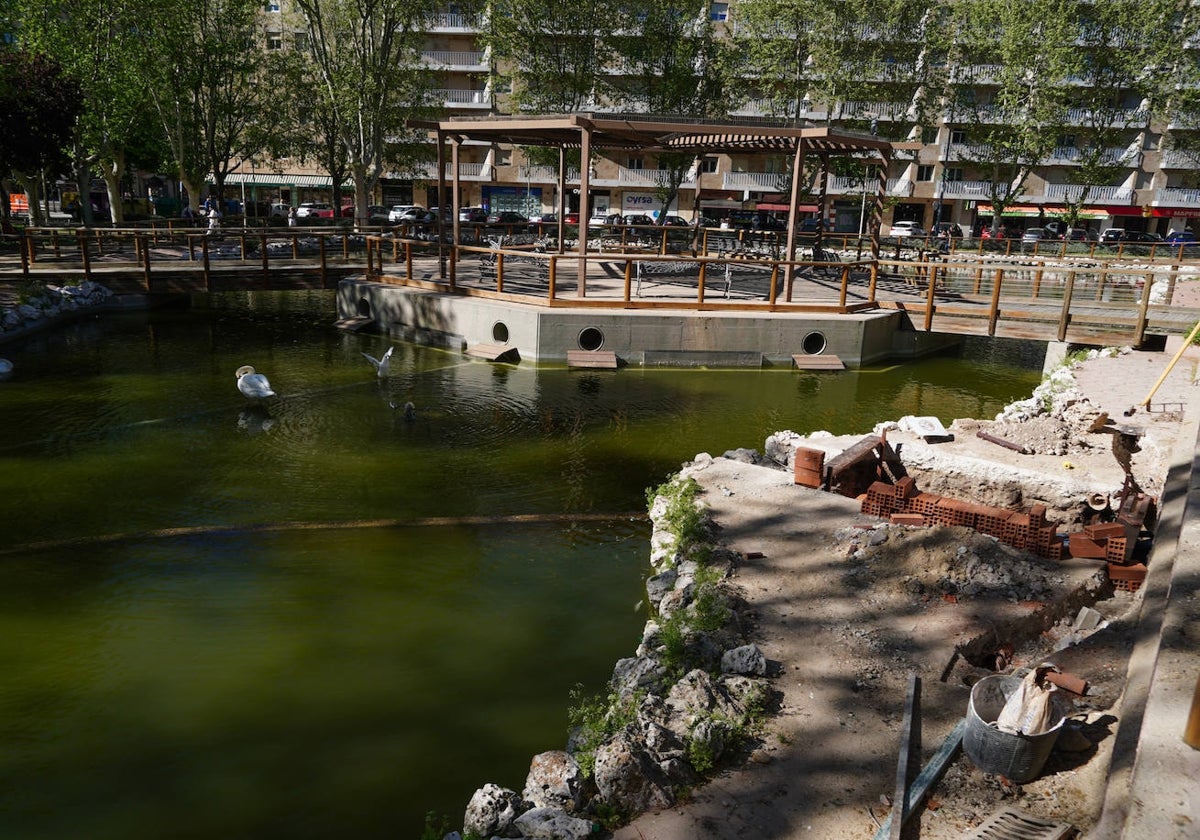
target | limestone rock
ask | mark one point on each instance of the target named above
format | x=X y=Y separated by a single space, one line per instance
x=629 y=779
x=554 y=781
x=492 y=812
x=697 y=696
x=633 y=674
x=659 y=585
x=552 y=824
x=747 y=659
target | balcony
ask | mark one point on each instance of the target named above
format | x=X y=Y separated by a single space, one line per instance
x=872 y=111
x=968 y=152
x=449 y=60
x=1177 y=197
x=974 y=190
x=452 y=98
x=1060 y=193
x=545 y=175
x=1175 y=159
x=466 y=172
x=756 y=181
x=1071 y=155
x=1116 y=118
x=841 y=185
x=641 y=178
x=449 y=23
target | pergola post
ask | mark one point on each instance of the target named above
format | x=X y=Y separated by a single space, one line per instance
x=877 y=219
x=585 y=159
x=822 y=199
x=455 y=145
x=560 y=209
x=793 y=222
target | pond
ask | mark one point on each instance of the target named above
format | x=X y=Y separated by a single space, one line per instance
x=314 y=617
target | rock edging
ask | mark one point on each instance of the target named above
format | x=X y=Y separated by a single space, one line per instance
x=689 y=697
x=49 y=305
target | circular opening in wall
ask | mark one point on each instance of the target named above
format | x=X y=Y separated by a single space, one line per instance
x=500 y=332
x=364 y=308
x=813 y=344
x=591 y=338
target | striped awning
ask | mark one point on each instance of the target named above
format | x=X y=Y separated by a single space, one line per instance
x=272 y=179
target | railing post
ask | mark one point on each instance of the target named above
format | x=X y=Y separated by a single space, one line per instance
x=1171 y=283
x=145 y=248
x=774 y=283
x=499 y=271
x=1100 y=284
x=699 y=279
x=205 y=263
x=929 y=292
x=1139 y=332
x=84 y=256
x=295 y=247
x=266 y=261
x=24 y=249
x=324 y=273
x=407 y=260
x=54 y=243
x=845 y=286
x=553 y=285
x=345 y=246
x=242 y=242
x=994 y=313
x=1037 y=278
x=628 y=278
x=1068 y=291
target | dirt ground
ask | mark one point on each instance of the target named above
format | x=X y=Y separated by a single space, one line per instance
x=846 y=610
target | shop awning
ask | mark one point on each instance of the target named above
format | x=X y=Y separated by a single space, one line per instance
x=783 y=208
x=1047 y=209
x=272 y=179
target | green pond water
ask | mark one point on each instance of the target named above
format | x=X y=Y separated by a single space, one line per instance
x=313 y=618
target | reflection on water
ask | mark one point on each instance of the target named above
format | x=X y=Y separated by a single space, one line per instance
x=215 y=625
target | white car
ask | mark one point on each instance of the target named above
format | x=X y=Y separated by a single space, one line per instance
x=404 y=213
x=908 y=229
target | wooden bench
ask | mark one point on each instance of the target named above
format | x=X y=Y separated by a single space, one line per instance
x=605 y=359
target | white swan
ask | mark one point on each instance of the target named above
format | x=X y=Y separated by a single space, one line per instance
x=253 y=384
x=382 y=366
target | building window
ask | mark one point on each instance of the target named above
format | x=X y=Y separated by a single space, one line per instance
x=301 y=41
x=1066 y=141
x=274 y=41
x=958 y=135
x=708 y=164
x=635 y=163
x=952 y=173
x=720 y=11
x=273 y=6
x=929 y=135
x=924 y=173
x=504 y=157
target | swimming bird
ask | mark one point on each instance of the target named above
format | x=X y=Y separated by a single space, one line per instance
x=253 y=385
x=382 y=366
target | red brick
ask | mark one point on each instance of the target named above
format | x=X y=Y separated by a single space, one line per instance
x=907 y=519
x=1068 y=682
x=1081 y=545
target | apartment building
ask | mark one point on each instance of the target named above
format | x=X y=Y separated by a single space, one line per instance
x=1147 y=184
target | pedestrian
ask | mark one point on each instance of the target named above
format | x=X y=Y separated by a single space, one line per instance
x=293 y=219
x=214 y=220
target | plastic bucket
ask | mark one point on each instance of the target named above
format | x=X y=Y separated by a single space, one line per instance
x=1018 y=758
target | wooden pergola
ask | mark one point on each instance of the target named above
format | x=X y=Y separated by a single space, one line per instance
x=641 y=132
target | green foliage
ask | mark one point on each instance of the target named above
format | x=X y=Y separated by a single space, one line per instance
x=595 y=719
x=436 y=826
x=682 y=518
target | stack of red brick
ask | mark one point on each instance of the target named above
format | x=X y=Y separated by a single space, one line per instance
x=902 y=504
x=1112 y=542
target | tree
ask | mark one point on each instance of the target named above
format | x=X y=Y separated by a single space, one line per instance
x=1011 y=63
x=1122 y=73
x=365 y=60
x=674 y=64
x=207 y=80
x=99 y=43
x=39 y=105
x=549 y=52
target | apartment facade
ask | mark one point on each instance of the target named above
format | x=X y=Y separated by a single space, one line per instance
x=935 y=178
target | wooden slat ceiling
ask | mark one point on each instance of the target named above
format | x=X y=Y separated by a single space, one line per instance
x=663 y=134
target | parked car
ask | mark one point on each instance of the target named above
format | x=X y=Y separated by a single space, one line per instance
x=1115 y=235
x=674 y=221
x=636 y=219
x=1057 y=228
x=814 y=224
x=507 y=217
x=1080 y=235
x=908 y=228
x=280 y=210
x=1035 y=234
x=405 y=213
x=603 y=219
x=1181 y=237
x=376 y=213
x=949 y=229
x=472 y=215
x=314 y=210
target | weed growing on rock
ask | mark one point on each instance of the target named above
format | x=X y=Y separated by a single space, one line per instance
x=594 y=719
x=680 y=514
